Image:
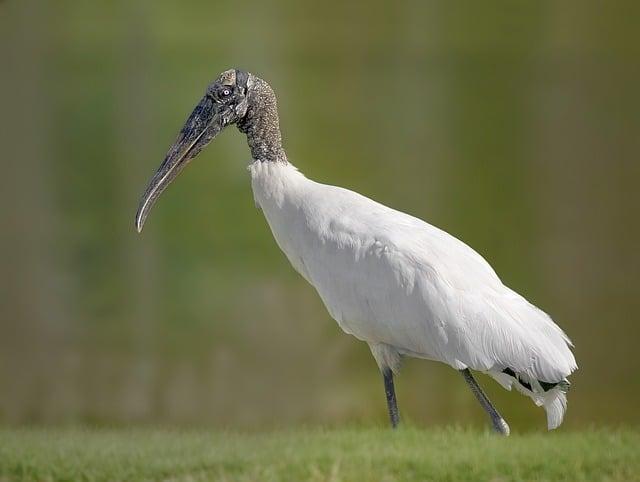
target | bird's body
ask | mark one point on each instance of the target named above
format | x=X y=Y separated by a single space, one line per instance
x=401 y=285
x=408 y=288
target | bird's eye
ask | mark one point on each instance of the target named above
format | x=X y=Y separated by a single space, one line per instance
x=225 y=92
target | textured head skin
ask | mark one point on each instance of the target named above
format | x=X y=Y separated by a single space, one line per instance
x=228 y=77
x=249 y=102
x=235 y=97
x=230 y=94
x=254 y=109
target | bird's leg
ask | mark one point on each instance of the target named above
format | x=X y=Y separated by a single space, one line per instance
x=391 y=397
x=499 y=424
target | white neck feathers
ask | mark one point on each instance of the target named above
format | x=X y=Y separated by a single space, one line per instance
x=274 y=182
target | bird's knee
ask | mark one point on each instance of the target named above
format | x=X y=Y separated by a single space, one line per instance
x=386 y=356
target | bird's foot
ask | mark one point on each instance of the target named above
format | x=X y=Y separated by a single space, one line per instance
x=501 y=426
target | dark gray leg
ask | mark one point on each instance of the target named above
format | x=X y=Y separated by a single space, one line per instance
x=391 y=397
x=498 y=422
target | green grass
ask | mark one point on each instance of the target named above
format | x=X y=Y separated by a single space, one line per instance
x=353 y=454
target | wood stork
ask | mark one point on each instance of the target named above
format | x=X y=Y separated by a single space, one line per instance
x=406 y=288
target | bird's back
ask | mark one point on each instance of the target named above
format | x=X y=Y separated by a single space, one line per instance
x=388 y=277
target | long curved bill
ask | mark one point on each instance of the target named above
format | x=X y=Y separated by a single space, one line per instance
x=201 y=127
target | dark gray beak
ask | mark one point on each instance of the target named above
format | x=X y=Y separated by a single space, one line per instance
x=204 y=123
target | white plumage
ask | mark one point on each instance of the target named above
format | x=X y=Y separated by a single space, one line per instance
x=408 y=288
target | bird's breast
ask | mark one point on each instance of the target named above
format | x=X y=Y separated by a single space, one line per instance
x=318 y=229
x=279 y=193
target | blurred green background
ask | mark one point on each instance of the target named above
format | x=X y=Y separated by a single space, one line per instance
x=513 y=125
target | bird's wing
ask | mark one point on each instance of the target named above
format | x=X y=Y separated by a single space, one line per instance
x=425 y=288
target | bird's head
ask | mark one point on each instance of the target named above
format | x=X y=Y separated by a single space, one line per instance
x=225 y=102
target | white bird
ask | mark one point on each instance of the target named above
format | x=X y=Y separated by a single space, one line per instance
x=403 y=286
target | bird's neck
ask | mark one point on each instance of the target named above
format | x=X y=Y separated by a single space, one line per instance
x=262 y=126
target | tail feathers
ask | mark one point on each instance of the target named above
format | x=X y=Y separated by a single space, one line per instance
x=554 y=400
x=555 y=403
